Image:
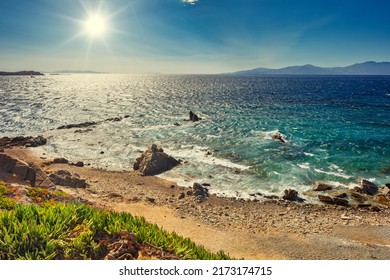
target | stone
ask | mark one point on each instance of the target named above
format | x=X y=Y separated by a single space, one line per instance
x=364 y=205
x=369 y=187
x=290 y=194
x=154 y=161
x=320 y=186
x=326 y=199
x=358 y=197
x=278 y=136
x=20 y=170
x=181 y=195
x=20 y=141
x=194 y=117
x=79 y=164
x=199 y=190
x=7 y=163
x=340 y=201
x=65 y=178
x=60 y=160
x=151 y=199
x=31 y=176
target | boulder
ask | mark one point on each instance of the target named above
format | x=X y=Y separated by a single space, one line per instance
x=154 y=161
x=65 y=178
x=199 y=190
x=194 y=117
x=319 y=186
x=340 y=201
x=291 y=195
x=7 y=163
x=61 y=160
x=326 y=199
x=369 y=187
x=278 y=136
x=20 y=170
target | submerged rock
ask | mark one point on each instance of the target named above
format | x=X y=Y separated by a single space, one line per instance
x=154 y=161
x=278 y=136
x=291 y=195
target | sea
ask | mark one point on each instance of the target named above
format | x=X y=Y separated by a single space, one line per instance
x=336 y=128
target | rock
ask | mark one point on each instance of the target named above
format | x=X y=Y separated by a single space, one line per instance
x=20 y=170
x=60 y=160
x=386 y=191
x=194 y=117
x=369 y=187
x=319 y=186
x=358 y=197
x=290 y=194
x=177 y=124
x=65 y=178
x=79 y=164
x=181 y=196
x=21 y=141
x=364 y=205
x=79 y=125
x=7 y=163
x=326 y=199
x=340 y=201
x=199 y=190
x=151 y=199
x=278 y=136
x=154 y=161
x=1 y=150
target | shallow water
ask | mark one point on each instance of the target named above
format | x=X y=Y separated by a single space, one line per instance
x=337 y=129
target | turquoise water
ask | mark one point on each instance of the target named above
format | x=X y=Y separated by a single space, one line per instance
x=337 y=129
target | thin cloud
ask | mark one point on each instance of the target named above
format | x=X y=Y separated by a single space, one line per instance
x=190 y=2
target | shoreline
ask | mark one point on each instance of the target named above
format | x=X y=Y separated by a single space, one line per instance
x=262 y=229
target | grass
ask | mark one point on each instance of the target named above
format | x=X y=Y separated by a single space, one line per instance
x=63 y=230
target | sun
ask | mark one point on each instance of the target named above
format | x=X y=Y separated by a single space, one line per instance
x=96 y=25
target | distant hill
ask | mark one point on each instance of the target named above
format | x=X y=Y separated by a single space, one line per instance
x=365 y=68
x=76 y=72
x=21 y=73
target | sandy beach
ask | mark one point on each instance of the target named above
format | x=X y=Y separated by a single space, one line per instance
x=257 y=229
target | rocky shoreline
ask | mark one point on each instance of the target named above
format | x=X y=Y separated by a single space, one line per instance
x=282 y=225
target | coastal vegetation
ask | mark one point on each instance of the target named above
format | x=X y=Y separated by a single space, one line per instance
x=55 y=226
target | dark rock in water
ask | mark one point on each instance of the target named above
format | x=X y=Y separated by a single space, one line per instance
x=319 y=186
x=154 y=161
x=342 y=195
x=340 y=201
x=61 y=160
x=78 y=125
x=326 y=199
x=278 y=136
x=194 y=117
x=291 y=195
x=369 y=187
x=177 y=124
x=20 y=141
x=65 y=178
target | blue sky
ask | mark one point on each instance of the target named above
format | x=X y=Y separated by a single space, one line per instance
x=189 y=36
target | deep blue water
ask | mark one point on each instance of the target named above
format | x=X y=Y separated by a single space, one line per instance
x=337 y=128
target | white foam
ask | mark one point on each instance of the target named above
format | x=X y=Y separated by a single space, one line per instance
x=304 y=165
x=332 y=173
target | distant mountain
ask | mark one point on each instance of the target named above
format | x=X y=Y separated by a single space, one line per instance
x=76 y=72
x=365 y=68
x=21 y=73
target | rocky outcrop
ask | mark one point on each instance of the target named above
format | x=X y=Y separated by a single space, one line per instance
x=194 y=117
x=21 y=141
x=292 y=195
x=25 y=172
x=65 y=178
x=154 y=161
x=368 y=187
x=278 y=136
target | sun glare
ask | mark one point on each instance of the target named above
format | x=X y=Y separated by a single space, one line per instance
x=96 y=25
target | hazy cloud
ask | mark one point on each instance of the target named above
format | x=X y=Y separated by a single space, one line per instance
x=190 y=2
